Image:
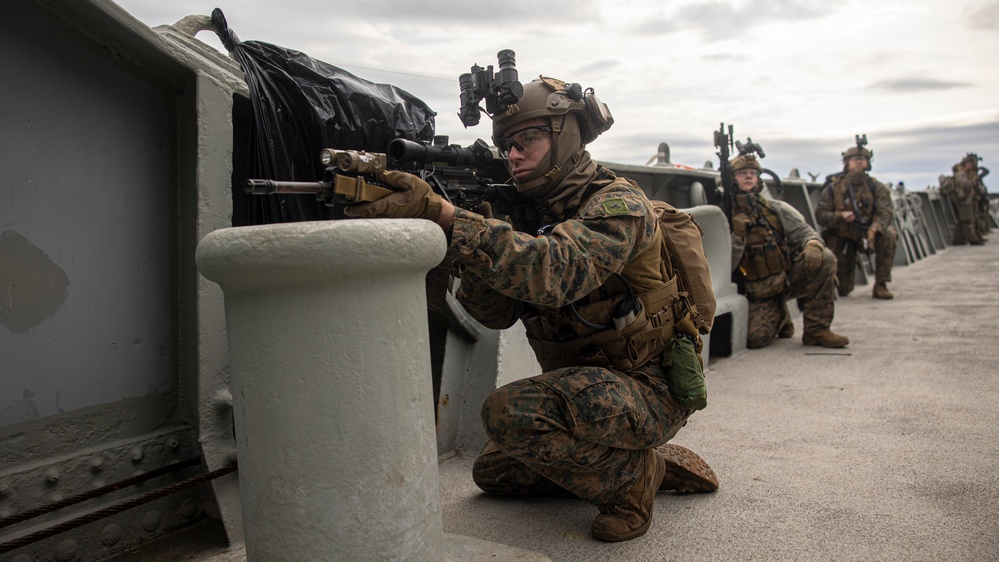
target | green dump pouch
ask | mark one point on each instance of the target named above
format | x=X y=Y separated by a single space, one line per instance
x=684 y=373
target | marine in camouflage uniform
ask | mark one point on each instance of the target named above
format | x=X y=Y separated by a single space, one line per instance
x=777 y=256
x=855 y=211
x=982 y=216
x=596 y=422
x=962 y=189
x=982 y=212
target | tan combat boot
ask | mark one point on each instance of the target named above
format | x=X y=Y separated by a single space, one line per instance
x=631 y=517
x=881 y=291
x=786 y=329
x=686 y=472
x=825 y=338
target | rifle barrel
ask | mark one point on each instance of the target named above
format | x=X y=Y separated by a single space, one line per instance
x=270 y=187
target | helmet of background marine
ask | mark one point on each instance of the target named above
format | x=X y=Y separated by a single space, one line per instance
x=746 y=161
x=555 y=100
x=857 y=151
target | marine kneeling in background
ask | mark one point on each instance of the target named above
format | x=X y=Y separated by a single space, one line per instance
x=779 y=257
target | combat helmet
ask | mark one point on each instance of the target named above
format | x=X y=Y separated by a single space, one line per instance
x=859 y=149
x=743 y=161
x=969 y=158
x=747 y=161
x=554 y=99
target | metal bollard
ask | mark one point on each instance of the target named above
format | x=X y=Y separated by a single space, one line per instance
x=332 y=397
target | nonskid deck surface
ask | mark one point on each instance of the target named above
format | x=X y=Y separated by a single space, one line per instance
x=884 y=450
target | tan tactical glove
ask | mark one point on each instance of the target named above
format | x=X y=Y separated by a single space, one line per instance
x=812 y=255
x=871 y=233
x=414 y=199
x=739 y=224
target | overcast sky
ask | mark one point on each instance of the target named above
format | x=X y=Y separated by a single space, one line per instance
x=800 y=77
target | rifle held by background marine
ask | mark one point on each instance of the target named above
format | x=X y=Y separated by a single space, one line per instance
x=723 y=142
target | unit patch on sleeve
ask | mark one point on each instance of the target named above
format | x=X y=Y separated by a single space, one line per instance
x=615 y=206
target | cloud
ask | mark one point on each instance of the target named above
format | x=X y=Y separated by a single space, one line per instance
x=916 y=155
x=918 y=84
x=597 y=67
x=784 y=71
x=725 y=57
x=985 y=17
x=951 y=140
x=719 y=20
x=477 y=15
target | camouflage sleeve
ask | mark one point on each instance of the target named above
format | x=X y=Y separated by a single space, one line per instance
x=947 y=185
x=885 y=208
x=490 y=308
x=559 y=268
x=825 y=212
x=796 y=229
x=738 y=247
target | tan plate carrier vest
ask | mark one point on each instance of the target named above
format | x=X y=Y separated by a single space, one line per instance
x=765 y=260
x=655 y=284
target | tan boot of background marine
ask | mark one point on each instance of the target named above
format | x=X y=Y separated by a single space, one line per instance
x=881 y=291
x=631 y=517
x=825 y=338
x=686 y=472
x=786 y=329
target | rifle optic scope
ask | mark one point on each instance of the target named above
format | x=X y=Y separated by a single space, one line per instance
x=401 y=151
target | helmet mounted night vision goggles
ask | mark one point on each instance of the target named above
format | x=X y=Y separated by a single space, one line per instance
x=500 y=90
x=747 y=156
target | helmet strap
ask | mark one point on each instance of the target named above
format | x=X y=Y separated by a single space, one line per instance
x=555 y=172
x=557 y=121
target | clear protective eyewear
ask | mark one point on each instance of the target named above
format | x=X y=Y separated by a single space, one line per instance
x=523 y=139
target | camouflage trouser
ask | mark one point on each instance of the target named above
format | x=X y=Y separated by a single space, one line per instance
x=965 y=227
x=579 y=431
x=814 y=291
x=981 y=222
x=845 y=250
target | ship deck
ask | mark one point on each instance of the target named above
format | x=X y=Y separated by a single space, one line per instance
x=884 y=450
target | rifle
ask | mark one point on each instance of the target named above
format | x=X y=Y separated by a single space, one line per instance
x=461 y=175
x=860 y=221
x=723 y=142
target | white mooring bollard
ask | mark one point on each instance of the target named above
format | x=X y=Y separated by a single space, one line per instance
x=331 y=385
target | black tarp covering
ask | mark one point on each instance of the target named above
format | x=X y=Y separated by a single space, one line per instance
x=300 y=106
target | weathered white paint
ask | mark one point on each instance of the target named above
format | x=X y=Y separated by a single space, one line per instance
x=332 y=396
